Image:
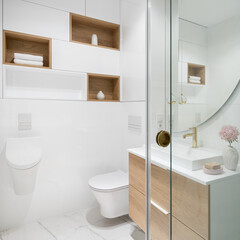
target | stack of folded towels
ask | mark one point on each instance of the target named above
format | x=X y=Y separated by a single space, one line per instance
x=194 y=79
x=28 y=59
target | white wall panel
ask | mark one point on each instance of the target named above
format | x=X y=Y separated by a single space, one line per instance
x=34 y=19
x=80 y=140
x=75 y=6
x=193 y=33
x=1 y=50
x=37 y=83
x=84 y=58
x=133 y=50
x=193 y=53
x=107 y=10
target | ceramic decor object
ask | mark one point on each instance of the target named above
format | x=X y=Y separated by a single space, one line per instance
x=100 y=95
x=230 y=158
x=94 y=39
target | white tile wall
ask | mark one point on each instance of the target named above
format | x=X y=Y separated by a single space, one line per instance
x=69 y=6
x=107 y=10
x=133 y=64
x=81 y=140
x=35 y=19
x=84 y=58
x=1 y=51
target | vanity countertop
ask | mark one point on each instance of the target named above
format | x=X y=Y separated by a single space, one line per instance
x=198 y=175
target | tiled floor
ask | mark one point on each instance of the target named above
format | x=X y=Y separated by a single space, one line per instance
x=82 y=225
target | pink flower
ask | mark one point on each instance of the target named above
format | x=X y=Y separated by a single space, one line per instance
x=229 y=134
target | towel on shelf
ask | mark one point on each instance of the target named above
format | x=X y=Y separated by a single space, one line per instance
x=27 y=62
x=29 y=57
x=192 y=81
x=195 y=78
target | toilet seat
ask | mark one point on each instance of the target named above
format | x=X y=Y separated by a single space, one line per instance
x=23 y=153
x=109 y=182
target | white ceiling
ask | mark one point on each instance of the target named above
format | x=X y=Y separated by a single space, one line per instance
x=208 y=12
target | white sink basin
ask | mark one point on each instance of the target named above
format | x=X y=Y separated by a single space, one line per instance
x=186 y=156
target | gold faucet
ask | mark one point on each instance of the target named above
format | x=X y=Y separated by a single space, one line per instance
x=193 y=135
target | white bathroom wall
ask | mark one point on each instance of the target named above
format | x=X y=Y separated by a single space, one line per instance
x=228 y=115
x=224 y=58
x=132 y=137
x=224 y=73
x=20 y=16
x=192 y=49
x=1 y=49
x=80 y=140
x=133 y=49
x=133 y=73
x=74 y=6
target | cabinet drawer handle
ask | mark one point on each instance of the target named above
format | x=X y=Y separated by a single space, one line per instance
x=159 y=208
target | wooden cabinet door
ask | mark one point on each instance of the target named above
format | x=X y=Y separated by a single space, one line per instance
x=182 y=232
x=191 y=204
x=160 y=187
x=107 y=10
x=137 y=172
x=160 y=223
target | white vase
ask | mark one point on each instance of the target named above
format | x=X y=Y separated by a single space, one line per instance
x=94 y=39
x=230 y=158
x=100 y=95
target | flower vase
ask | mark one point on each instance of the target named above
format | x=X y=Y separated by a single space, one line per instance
x=230 y=158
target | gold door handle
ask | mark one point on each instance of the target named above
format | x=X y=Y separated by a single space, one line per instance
x=163 y=138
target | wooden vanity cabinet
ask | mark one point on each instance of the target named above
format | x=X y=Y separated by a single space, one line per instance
x=190 y=203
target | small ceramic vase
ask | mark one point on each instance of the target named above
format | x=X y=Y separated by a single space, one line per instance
x=230 y=158
x=94 y=39
x=100 y=95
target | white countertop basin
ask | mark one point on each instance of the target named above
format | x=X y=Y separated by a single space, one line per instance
x=163 y=160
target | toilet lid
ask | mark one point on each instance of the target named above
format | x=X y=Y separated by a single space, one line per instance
x=109 y=182
x=23 y=153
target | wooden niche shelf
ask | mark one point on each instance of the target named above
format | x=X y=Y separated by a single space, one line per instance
x=197 y=70
x=14 y=42
x=82 y=28
x=109 y=85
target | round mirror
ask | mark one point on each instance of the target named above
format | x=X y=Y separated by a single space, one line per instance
x=206 y=59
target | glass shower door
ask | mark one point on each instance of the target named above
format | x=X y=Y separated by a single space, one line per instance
x=193 y=101
x=158 y=177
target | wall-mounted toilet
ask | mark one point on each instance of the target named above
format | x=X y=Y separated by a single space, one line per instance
x=23 y=156
x=111 y=192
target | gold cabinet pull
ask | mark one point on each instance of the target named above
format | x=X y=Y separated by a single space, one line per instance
x=163 y=138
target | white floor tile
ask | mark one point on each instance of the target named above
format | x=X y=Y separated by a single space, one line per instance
x=112 y=228
x=81 y=225
x=61 y=226
x=136 y=235
x=92 y=215
x=32 y=231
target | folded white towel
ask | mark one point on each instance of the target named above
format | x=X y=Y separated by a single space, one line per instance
x=195 y=78
x=194 y=81
x=26 y=62
x=28 y=57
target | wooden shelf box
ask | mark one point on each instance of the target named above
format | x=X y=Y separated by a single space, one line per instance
x=197 y=71
x=109 y=85
x=82 y=28
x=14 y=42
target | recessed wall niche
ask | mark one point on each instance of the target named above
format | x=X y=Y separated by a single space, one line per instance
x=82 y=28
x=198 y=71
x=109 y=85
x=14 y=42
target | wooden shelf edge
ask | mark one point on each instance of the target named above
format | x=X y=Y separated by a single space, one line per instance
x=24 y=65
x=96 y=100
x=99 y=46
